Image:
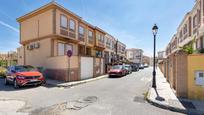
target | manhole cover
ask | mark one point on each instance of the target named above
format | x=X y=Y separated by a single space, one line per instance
x=188 y=105
x=139 y=99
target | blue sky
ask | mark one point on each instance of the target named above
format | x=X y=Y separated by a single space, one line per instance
x=128 y=20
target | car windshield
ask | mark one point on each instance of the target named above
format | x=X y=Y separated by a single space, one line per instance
x=116 y=67
x=25 y=68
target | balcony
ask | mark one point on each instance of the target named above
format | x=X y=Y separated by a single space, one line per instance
x=81 y=37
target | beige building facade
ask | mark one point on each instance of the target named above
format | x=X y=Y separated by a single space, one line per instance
x=135 y=55
x=46 y=34
x=185 y=53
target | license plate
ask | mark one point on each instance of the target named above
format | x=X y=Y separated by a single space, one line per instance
x=33 y=80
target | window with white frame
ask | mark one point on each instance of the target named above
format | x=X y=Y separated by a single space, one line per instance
x=72 y=25
x=63 y=21
x=61 y=50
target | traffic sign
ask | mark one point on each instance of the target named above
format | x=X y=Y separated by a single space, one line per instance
x=69 y=53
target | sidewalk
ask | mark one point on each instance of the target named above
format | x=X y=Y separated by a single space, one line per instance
x=74 y=83
x=165 y=98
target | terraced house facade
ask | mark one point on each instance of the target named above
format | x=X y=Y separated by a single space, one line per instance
x=184 y=65
x=46 y=34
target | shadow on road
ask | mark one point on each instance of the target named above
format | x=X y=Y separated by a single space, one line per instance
x=158 y=98
x=115 y=77
x=11 y=88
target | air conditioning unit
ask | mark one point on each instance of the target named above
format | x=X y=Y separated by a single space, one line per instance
x=30 y=47
x=37 y=45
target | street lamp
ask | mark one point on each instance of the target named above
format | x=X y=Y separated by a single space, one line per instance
x=154 y=30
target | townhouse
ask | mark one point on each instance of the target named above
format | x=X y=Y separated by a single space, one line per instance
x=184 y=65
x=110 y=50
x=135 y=55
x=47 y=33
x=120 y=51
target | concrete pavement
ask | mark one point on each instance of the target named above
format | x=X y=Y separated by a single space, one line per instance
x=164 y=97
x=74 y=83
x=108 y=96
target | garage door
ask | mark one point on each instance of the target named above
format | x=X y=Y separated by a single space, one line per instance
x=86 y=67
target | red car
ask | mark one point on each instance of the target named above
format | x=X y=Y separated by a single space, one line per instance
x=24 y=76
x=117 y=70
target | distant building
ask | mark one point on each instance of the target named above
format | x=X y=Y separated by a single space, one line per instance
x=161 y=55
x=146 y=60
x=134 y=55
x=10 y=58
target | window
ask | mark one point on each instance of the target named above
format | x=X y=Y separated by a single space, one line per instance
x=98 y=37
x=61 y=50
x=69 y=47
x=81 y=30
x=72 y=25
x=90 y=34
x=194 y=21
x=101 y=38
x=185 y=29
x=63 y=21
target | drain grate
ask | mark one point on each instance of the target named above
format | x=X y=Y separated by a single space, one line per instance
x=188 y=105
x=139 y=99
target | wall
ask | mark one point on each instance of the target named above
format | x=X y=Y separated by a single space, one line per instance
x=20 y=52
x=181 y=74
x=37 y=26
x=57 y=68
x=38 y=57
x=195 y=63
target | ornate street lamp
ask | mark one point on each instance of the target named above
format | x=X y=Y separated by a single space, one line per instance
x=154 y=30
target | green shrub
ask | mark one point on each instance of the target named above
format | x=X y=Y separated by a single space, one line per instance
x=3 y=72
x=201 y=51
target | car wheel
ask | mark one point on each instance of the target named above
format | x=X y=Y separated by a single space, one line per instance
x=15 y=84
x=6 y=81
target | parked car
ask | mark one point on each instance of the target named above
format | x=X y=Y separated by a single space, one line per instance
x=117 y=70
x=24 y=76
x=146 y=65
x=135 y=67
x=141 y=66
x=128 y=68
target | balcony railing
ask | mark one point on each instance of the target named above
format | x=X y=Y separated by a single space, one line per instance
x=68 y=33
x=81 y=37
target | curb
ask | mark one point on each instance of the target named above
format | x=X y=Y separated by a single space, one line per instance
x=165 y=106
x=70 y=84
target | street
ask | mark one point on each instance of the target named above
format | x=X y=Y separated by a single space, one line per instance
x=109 y=96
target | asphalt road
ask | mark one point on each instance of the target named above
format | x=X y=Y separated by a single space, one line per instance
x=109 y=96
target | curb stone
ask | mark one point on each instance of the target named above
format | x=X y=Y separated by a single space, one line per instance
x=165 y=106
x=79 y=82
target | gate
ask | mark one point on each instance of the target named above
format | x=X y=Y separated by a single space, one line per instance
x=86 y=67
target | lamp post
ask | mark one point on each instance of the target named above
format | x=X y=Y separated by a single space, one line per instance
x=154 y=30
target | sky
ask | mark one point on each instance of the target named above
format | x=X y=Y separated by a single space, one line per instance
x=130 y=21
